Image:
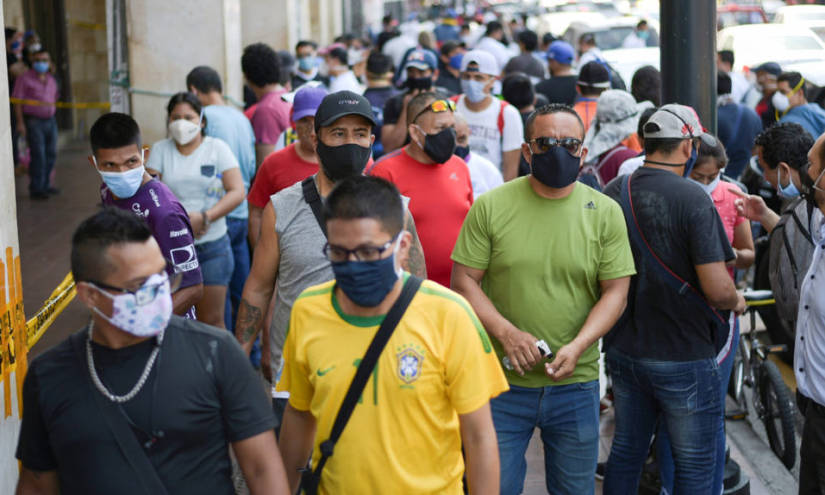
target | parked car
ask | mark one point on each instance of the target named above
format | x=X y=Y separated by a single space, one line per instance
x=794 y=47
x=609 y=33
x=626 y=61
x=800 y=14
x=733 y=14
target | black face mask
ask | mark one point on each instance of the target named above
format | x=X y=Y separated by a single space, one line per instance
x=422 y=83
x=340 y=162
x=462 y=151
x=440 y=146
x=556 y=168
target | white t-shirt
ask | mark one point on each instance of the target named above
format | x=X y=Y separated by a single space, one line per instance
x=630 y=165
x=483 y=174
x=485 y=138
x=345 y=82
x=496 y=49
x=195 y=179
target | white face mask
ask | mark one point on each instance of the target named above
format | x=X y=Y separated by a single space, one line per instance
x=708 y=188
x=780 y=102
x=184 y=131
x=145 y=313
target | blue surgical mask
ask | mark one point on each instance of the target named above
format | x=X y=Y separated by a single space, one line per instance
x=691 y=161
x=367 y=283
x=787 y=192
x=307 y=63
x=643 y=35
x=708 y=188
x=455 y=61
x=40 y=67
x=123 y=184
x=474 y=90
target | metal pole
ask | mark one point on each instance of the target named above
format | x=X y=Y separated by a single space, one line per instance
x=688 y=56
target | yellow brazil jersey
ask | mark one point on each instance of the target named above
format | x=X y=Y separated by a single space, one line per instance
x=403 y=436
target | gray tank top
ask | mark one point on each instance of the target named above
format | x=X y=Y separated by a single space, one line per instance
x=302 y=264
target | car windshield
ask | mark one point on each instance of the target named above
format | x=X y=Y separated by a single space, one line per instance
x=612 y=38
x=727 y=19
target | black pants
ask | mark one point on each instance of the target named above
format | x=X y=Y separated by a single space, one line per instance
x=812 y=452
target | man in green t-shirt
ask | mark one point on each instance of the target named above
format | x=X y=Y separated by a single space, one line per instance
x=544 y=257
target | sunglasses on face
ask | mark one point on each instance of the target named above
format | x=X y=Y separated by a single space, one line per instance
x=544 y=144
x=437 y=106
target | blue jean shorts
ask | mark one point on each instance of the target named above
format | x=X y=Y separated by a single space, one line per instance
x=216 y=261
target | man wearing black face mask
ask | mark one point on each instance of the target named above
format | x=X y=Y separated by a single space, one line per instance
x=289 y=250
x=545 y=257
x=421 y=68
x=436 y=181
x=667 y=341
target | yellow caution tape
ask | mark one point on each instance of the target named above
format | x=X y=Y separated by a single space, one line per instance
x=54 y=305
x=63 y=104
x=87 y=25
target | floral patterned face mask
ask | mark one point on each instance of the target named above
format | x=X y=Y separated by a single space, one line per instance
x=142 y=313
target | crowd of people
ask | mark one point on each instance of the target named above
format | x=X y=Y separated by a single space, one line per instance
x=432 y=237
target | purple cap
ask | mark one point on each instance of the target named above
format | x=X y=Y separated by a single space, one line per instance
x=306 y=102
x=422 y=60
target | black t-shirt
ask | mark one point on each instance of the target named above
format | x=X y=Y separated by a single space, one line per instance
x=201 y=393
x=448 y=82
x=527 y=64
x=559 y=89
x=378 y=98
x=683 y=228
x=393 y=107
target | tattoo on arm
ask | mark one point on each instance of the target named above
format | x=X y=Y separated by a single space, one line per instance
x=415 y=262
x=249 y=322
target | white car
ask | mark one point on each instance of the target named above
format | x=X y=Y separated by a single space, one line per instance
x=626 y=61
x=793 y=47
x=800 y=14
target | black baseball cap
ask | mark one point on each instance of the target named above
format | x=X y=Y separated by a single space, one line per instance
x=769 y=67
x=595 y=75
x=340 y=104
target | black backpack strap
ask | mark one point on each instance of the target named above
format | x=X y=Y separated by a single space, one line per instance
x=124 y=435
x=314 y=201
x=311 y=480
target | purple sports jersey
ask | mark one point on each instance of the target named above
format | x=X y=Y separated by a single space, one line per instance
x=169 y=223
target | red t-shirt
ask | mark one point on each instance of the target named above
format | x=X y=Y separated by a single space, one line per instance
x=440 y=197
x=278 y=171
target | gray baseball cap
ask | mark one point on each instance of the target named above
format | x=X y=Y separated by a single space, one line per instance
x=673 y=121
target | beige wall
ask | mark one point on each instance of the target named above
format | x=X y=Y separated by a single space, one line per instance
x=13 y=13
x=88 y=64
x=167 y=38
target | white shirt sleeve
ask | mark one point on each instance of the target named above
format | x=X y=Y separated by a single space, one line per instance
x=223 y=156
x=513 y=132
x=156 y=155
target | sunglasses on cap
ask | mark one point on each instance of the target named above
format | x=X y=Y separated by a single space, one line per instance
x=543 y=144
x=437 y=106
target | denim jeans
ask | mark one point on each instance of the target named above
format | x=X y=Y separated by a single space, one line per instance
x=684 y=397
x=568 y=417
x=664 y=455
x=42 y=137
x=237 y=229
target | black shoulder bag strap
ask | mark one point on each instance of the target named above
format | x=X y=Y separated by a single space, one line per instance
x=313 y=199
x=124 y=436
x=311 y=479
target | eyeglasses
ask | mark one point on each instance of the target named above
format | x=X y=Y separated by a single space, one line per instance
x=362 y=253
x=437 y=106
x=543 y=144
x=146 y=293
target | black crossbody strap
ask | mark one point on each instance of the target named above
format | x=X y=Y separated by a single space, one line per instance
x=124 y=436
x=362 y=375
x=313 y=199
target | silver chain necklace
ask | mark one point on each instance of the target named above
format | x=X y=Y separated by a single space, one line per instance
x=120 y=399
